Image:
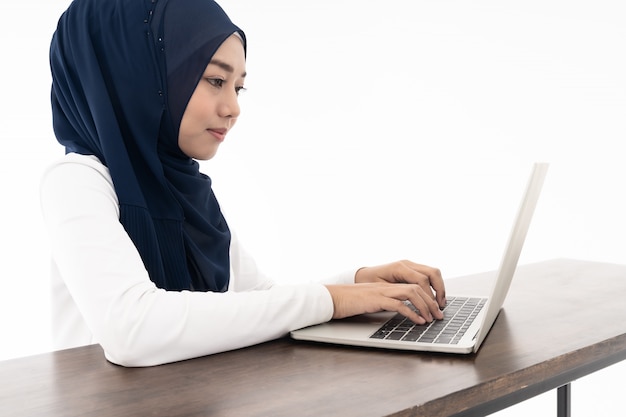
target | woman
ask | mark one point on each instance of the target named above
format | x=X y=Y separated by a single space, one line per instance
x=144 y=262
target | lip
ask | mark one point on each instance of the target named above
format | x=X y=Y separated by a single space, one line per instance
x=219 y=134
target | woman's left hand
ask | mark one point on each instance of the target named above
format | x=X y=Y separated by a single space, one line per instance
x=427 y=277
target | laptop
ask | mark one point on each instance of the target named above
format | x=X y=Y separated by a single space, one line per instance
x=467 y=319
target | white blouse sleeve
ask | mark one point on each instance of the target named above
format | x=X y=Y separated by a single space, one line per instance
x=136 y=323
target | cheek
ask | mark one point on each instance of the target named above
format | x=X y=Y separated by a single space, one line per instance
x=197 y=109
x=195 y=116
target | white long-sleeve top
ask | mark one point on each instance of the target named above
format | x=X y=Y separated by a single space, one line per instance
x=101 y=292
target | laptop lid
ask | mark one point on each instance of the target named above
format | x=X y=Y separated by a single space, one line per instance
x=513 y=250
x=357 y=330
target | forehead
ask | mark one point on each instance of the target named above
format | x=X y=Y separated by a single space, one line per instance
x=232 y=47
x=230 y=56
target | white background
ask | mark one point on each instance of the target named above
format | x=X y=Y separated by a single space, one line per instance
x=373 y=131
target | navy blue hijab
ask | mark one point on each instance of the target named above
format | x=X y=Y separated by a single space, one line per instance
x=123 y=72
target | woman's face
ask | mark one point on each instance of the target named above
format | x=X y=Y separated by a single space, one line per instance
x=213 y=108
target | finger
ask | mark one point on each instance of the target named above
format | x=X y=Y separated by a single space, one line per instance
x=431 y=303
x=412 y=314
x=407 y=311
x=418 y=274
x=426 y=305
x=434 y=281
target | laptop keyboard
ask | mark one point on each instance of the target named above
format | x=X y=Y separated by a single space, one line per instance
x=458 y=315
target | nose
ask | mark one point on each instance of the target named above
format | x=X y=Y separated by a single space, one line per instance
x=229 y=106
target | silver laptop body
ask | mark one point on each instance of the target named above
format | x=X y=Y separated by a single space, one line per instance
x=363 y=330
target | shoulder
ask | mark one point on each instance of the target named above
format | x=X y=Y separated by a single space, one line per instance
x=74 y=165
x=77 y=181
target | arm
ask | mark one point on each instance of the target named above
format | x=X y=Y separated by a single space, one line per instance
x=136 y=323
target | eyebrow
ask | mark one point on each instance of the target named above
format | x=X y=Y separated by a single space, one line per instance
x=226 y=67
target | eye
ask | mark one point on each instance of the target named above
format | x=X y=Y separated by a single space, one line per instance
x=240 y=89
x=216 y=82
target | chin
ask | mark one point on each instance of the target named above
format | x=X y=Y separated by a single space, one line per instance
x=205 y=156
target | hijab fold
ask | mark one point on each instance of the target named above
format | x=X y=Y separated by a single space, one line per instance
x=123 y=72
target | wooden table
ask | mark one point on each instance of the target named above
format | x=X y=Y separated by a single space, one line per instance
x=556 y=326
